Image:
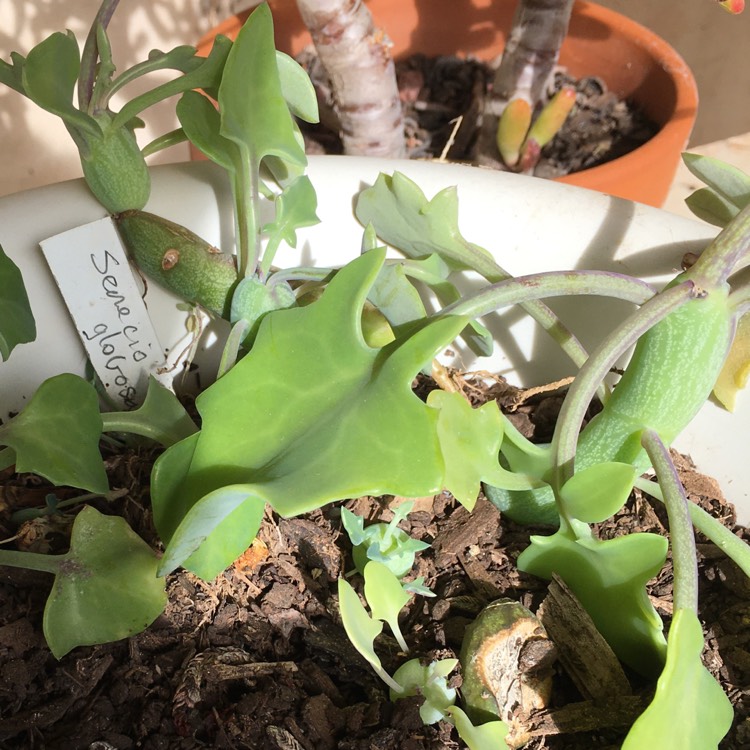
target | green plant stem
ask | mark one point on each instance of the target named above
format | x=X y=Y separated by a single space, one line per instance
x=7 y=458
x=551 y=284
x=715 y=531
x=299 y=274
x=717 y=262
x=90 y=54
x=172 y=138
x=584 y=387
x=31 y=560
x=246 y=201
x=684 y=556
x=29 y=514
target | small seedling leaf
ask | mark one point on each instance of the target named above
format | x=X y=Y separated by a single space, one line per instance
x=685 y=690
x=431 y=683
x=362 y=630
x=386 y=597
x=599 y=491
x=105 y=588
x=16 y=319
x=489 y=736
x=57 y=434
x=609 y=578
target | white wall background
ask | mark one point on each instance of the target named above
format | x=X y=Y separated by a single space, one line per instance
x=35 y=149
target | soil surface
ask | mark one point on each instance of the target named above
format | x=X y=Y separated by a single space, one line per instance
x=442 y=99
x=258 y=658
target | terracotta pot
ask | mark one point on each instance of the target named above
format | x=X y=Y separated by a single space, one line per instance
x=634 y=62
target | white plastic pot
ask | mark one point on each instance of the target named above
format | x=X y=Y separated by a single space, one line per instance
x=530 y=225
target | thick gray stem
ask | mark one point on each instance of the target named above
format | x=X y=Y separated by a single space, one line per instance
x=529 y=59
x=357 y=59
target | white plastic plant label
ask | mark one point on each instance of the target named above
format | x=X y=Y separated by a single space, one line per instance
x=95 y=278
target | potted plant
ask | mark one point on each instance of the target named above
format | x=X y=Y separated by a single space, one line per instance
x=314 y=404
x=642 y=67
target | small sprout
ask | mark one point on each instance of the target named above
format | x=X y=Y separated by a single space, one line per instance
x=547 y=125
x=383 y=542
x=362 y=630
x=430 y=682
x=489 y=736
x=386 y=597
x=512 y=130
x=520 y=141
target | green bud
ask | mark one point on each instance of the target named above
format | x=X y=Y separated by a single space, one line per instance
x=115 y=170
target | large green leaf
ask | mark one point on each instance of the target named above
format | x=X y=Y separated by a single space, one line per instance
x=16 y=319
x=254 y=112
x=311 y=415
x=690 y=710
x=57 y=434
x=105 y=587
x=609 y=578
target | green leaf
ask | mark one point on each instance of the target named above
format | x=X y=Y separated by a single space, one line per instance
x=11 y=74
x=254 y=112
x=57 y=434
x=690 y=710
x=362 y=630
x=295 y=208
x=599 y=491
x=489 y=736
x=252 y=300
x=430 y=682
x=201 y=122
x=215 y=532
x=405 y=219
x=382 y=542
x=105 y=588
x=161 y=417
x=609 y=578
x=730 y=183
x=711 y=207
x=16 y=319
x=49 y=79
x=395 y=296
x=297 y=88
x=329 y=417
x=470 y=440
x=204 y=73
x=386 y=597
